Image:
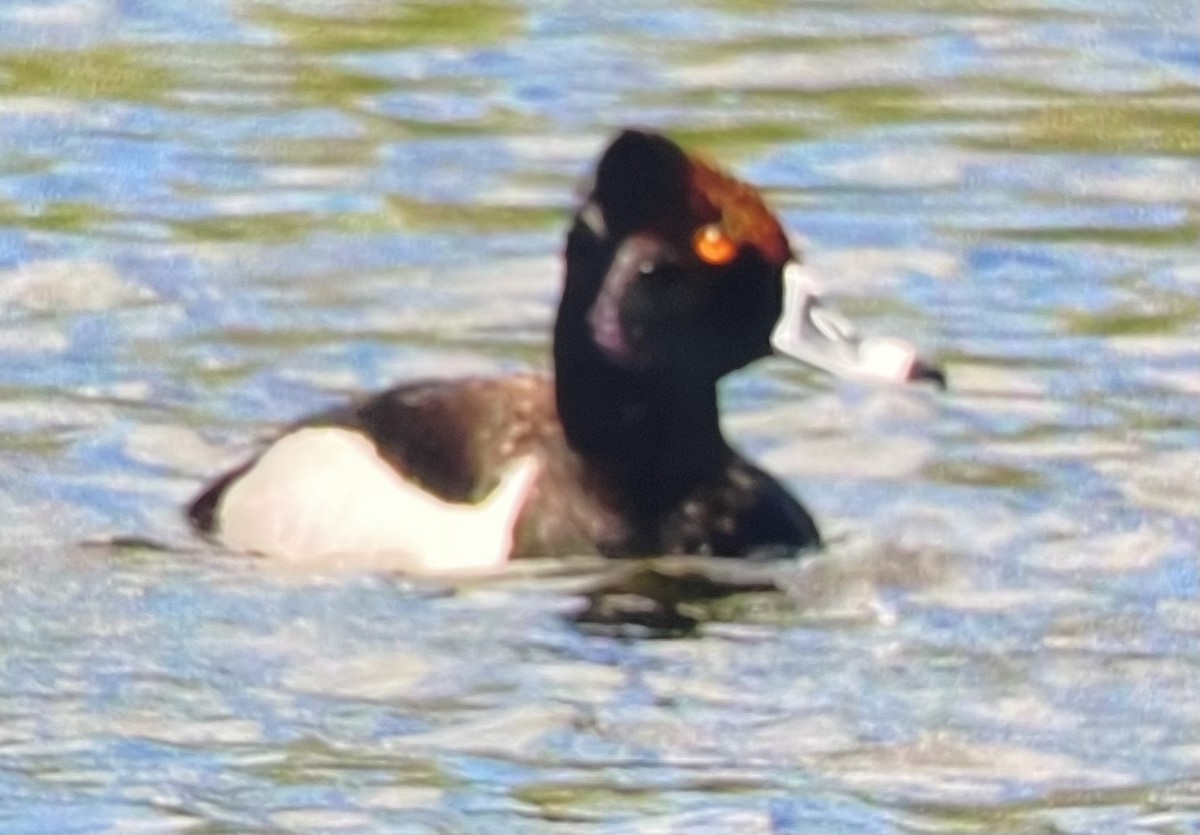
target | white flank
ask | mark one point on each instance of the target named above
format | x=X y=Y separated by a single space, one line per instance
x=324 y=496
x=886 y=359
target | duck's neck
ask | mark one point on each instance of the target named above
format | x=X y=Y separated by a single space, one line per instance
x=650 y=437
x=653 y=438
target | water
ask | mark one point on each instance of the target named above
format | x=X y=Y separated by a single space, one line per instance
x=216 y=217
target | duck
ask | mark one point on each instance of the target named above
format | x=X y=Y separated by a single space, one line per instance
x=676 y=274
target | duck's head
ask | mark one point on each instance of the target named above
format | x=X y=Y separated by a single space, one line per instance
x=676 y=269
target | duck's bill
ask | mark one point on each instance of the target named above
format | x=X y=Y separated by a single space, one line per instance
x=814 y=333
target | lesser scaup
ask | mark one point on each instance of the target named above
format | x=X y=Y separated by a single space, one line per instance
x=676 y=275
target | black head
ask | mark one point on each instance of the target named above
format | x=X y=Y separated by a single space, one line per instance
x=677 y=271
x=673 y=267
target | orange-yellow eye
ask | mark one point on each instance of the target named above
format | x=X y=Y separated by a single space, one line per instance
x=713 y=246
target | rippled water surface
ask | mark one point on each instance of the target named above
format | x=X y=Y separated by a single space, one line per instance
x=216 y=217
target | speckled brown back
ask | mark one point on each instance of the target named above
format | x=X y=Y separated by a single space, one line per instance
x=454 y=438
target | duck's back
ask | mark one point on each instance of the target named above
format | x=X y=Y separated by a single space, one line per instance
x=455 y=439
